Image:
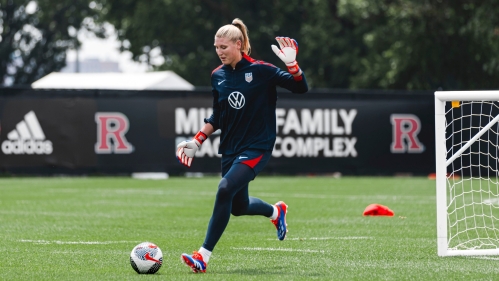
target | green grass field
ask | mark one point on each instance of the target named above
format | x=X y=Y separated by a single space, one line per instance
x=85 y=228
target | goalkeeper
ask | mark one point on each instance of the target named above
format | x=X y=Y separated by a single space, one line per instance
x=244 y=104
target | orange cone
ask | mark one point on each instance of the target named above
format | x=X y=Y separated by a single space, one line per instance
x=378 y=210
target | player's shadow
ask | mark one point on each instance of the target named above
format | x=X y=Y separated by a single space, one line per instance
x=276 y=270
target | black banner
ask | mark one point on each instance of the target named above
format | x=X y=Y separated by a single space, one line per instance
x=48 y=132
x=358 y=133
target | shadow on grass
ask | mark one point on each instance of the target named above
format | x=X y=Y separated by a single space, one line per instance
x=268 y=271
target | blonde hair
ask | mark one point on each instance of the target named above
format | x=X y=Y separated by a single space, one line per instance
x=236 y=31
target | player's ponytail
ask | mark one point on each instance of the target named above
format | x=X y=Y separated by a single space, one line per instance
x=246 y=47
x=236 y=31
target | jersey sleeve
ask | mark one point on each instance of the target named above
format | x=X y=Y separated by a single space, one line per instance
x=215 y=116
x=285 y=80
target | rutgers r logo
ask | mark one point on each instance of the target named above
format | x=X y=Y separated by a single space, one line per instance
x=111 y=130
x=236 y=100
x=405 y=129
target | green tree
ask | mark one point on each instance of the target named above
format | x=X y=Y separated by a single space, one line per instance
x=387 y=44
x=411 y=44
x=35 y=36
x=184 y=30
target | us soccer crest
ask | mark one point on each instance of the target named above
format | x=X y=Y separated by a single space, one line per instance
x=248 y=77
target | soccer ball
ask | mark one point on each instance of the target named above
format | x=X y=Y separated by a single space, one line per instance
x=146 y=258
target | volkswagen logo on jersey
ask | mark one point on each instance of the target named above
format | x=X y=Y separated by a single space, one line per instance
x=236 y=100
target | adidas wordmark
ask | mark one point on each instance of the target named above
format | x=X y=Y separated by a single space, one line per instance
x=27 y=138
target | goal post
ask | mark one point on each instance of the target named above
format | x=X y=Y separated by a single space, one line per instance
x=467 y=172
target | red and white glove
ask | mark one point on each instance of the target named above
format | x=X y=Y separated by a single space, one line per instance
x=187 y=149
x=287 y=53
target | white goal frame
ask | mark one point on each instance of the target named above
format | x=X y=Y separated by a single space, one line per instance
x=441 y=97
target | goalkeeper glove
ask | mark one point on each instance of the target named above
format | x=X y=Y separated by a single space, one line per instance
x=187 y=149
x=287 y=53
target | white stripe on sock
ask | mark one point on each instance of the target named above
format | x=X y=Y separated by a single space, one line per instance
x=205 y=253
x=275 y=213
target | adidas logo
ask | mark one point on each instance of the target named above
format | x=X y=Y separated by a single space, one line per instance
x=27 y=138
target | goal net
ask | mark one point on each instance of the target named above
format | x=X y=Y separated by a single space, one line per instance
x=467 y=166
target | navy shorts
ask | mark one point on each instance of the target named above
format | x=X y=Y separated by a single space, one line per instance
x=254 y=158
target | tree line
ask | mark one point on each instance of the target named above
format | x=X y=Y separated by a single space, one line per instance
x=355 y=44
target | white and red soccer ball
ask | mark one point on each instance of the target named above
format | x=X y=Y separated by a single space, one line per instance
x=146 y=258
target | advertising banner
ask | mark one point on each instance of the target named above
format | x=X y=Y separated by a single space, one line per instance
x=320 y=133
x=115 y=132
x=45 y=133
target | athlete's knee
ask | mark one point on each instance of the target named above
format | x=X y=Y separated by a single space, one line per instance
x=239 y=208
x=225 y=189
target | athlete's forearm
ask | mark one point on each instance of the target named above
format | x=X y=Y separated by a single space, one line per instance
x=208 y=129
x=300 y=86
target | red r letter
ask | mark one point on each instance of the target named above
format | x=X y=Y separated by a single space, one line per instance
x=112 y=126
x=405 y=127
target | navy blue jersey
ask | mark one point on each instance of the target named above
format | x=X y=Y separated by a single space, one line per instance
x=244 y=103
